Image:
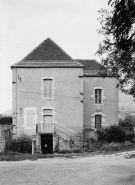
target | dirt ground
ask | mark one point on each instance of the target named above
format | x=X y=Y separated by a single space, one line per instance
x=114 y=169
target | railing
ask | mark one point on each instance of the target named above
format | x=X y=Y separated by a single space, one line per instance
x=43 y=128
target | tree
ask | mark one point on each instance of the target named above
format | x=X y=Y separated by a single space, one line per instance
x=117 y=49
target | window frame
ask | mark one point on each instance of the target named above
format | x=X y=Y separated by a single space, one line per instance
x=47 y=78
x=101 y=98
x=49 y=114
x=103 y=121
x=101 y=117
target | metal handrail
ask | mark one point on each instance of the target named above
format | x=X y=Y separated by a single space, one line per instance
x=70 y=133
x=67 y=130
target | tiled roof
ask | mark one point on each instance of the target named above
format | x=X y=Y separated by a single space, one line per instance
x=90 y=64
x=91 y=67
x=47 y=63
x=48 y=54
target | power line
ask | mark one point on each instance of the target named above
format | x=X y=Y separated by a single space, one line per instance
x=17 y=38
x=11 y=46
x=60 y=95
x=12 y=51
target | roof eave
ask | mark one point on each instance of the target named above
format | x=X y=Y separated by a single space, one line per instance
x=46 y=66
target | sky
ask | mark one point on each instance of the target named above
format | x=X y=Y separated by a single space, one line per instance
x=24 y=24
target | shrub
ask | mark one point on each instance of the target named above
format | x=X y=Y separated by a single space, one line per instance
x=129 y=136
x=113 y=133
x=22 y=144
x=111 y=146
x=127 y=123
x=128 y=126
x=92 y=145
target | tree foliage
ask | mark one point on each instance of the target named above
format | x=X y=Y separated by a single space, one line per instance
x=117 y=49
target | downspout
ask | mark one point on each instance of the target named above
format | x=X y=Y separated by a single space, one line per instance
x=16 y=100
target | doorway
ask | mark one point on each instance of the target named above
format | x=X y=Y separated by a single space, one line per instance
x=47 y=143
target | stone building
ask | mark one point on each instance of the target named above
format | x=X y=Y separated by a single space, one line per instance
x=54 y=92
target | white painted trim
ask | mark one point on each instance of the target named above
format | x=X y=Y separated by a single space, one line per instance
x=48 y=98
x=25 y=124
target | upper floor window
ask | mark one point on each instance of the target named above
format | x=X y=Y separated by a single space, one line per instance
x=98 y=96
x=98 y=120
x=47 y=88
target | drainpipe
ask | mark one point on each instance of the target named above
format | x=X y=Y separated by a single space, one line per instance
x=16 y=100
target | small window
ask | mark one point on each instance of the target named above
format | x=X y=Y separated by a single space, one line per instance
x=47 y=88
x=98 y=96
x=98 y=120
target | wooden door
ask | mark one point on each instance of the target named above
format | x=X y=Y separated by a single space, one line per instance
x=47 y=118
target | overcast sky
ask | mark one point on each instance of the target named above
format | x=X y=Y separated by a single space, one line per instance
x=24 y=24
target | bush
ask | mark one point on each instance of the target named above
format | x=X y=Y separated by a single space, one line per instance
x=92 y=145
x=127 y=123
x=111 y=147
x=129 y=136
x=22 y=144
x=113 y=133
x=128 y=126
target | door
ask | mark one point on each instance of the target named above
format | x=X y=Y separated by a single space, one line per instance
x=47 y=119
x=47 y=143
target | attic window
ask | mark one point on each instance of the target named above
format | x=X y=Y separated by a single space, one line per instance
x=47 y=88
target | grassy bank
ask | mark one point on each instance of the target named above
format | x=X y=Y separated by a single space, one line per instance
x=105 y=149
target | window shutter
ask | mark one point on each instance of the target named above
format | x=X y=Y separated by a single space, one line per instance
x=47 y=88
x=44 y=88
x=93 y=122
x=50 y=88
x=103 y=120
x=30 y=116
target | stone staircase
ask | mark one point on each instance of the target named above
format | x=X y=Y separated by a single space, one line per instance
x=66 y=140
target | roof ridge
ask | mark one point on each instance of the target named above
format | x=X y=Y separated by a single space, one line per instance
x=33 y=50
x=59 y=47
x=65 y=52
x=48 y=50
x=48 y=38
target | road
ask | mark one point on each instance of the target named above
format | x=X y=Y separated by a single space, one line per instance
x=114 y=169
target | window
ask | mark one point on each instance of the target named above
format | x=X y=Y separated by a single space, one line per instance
x=98 y=120
x=47 y=88
x=98 y=96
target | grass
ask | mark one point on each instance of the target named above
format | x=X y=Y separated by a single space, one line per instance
x=105 y=149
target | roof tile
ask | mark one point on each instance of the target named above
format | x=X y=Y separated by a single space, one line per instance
x=48 y=53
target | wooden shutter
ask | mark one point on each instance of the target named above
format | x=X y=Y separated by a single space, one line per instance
x=30 y=116
x=50 y=88
x=103 y=120
x=93 y=122
x=44 y=88
x=47 y=88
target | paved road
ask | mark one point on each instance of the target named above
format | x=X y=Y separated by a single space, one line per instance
x=96 y=170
